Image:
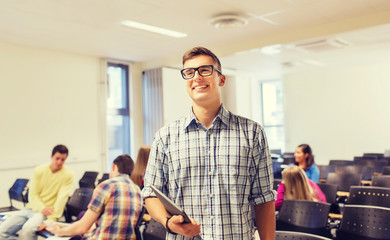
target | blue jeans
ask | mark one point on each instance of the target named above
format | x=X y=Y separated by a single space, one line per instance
x=25 y=220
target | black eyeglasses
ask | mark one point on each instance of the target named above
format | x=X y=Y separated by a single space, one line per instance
x=204 y=71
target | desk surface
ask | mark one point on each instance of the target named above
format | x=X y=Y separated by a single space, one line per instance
x=335 y=216
x=342 y=194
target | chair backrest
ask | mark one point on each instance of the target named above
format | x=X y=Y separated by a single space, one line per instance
x=288 y=159
x=373 y=155
x=365 y=221
x=18 y=191
x=330 y=191
x=104 y=177
x=344 y=180
x=377 y=164
x=325 y=170
x=302 y=213
x=138 y=234
x=288 y=154
x=386 y=170
x=365 y=171
x=367 y=195
x=276 y=183
x=78 y=202
x=88 y=180
x=340 y=162
x=381 y=181
x=154 y=231
x=276 y=151
x=288 y=235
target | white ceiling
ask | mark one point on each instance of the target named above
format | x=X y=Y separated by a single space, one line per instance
x=93 y=27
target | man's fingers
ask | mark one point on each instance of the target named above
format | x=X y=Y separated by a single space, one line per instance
x=40 y=228
x=176 y=219
x=193 y=221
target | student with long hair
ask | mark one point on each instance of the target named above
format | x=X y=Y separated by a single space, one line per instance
x=140 y=166
x=304 y=158
x=296 y=185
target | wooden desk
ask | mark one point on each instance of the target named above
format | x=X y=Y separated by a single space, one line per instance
x=366 y=182
x=335 y=216
x=342 y=194
x=147 y=217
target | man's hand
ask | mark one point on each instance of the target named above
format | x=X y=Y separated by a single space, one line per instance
x=176 y=225
x=43 y=226
x=54 y=229
x=47 y=211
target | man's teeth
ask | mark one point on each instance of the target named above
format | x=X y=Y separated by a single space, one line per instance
x=200 y=87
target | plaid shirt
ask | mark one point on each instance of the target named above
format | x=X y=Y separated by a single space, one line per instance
x=213 y=174
x=119 y=202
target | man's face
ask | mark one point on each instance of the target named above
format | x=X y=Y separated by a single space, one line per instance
x=58 y=160
x=204 y=90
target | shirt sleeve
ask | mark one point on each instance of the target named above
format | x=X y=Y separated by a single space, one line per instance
x=262 y=179
x=156 y=173
x=314 y=173
x=279 y=196
x=100 y=198
x=62 y=196
x=35 y=202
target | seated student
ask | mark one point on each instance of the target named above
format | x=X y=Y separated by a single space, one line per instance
x=48 y=192
x=296 y=185
x=115 y=206
x=140 y=166
x=304 y=159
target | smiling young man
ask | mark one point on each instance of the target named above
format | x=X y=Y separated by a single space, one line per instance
x=212 y=163
x=48 y=193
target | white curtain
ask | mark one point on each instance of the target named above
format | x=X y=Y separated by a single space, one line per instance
x=152 y=103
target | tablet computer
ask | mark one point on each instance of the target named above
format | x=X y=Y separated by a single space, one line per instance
x=169 y=205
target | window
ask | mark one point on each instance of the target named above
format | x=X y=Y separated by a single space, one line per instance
x=273 y=117
x=118 y=121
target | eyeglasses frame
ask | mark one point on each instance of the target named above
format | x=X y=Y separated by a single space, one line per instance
x=197 y=70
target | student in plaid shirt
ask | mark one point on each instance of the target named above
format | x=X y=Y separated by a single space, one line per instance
x=212 y=163
x=115 y=206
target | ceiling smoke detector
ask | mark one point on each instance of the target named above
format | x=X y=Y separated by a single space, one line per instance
x=228 y=20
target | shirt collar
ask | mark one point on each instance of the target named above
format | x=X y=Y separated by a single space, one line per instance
x=223 y=115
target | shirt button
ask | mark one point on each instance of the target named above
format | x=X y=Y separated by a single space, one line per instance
x=209 y=152
x=209 y=133
x=210 y=173
x=211 y=195
x=212 y=217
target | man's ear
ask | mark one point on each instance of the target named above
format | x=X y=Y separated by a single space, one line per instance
x=222 y=80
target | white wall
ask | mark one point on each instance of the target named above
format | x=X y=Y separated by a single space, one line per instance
x=176 y=102
x=46 y=98
x=341 y=111
x=236 y=95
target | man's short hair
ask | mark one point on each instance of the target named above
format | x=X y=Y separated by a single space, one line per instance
x=196 y=51
x=60 y=149
x=125 y=164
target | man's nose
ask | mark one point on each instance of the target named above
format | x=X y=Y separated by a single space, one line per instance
x=197 y=76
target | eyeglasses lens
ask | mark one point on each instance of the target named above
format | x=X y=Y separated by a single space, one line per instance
x=203 y=71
